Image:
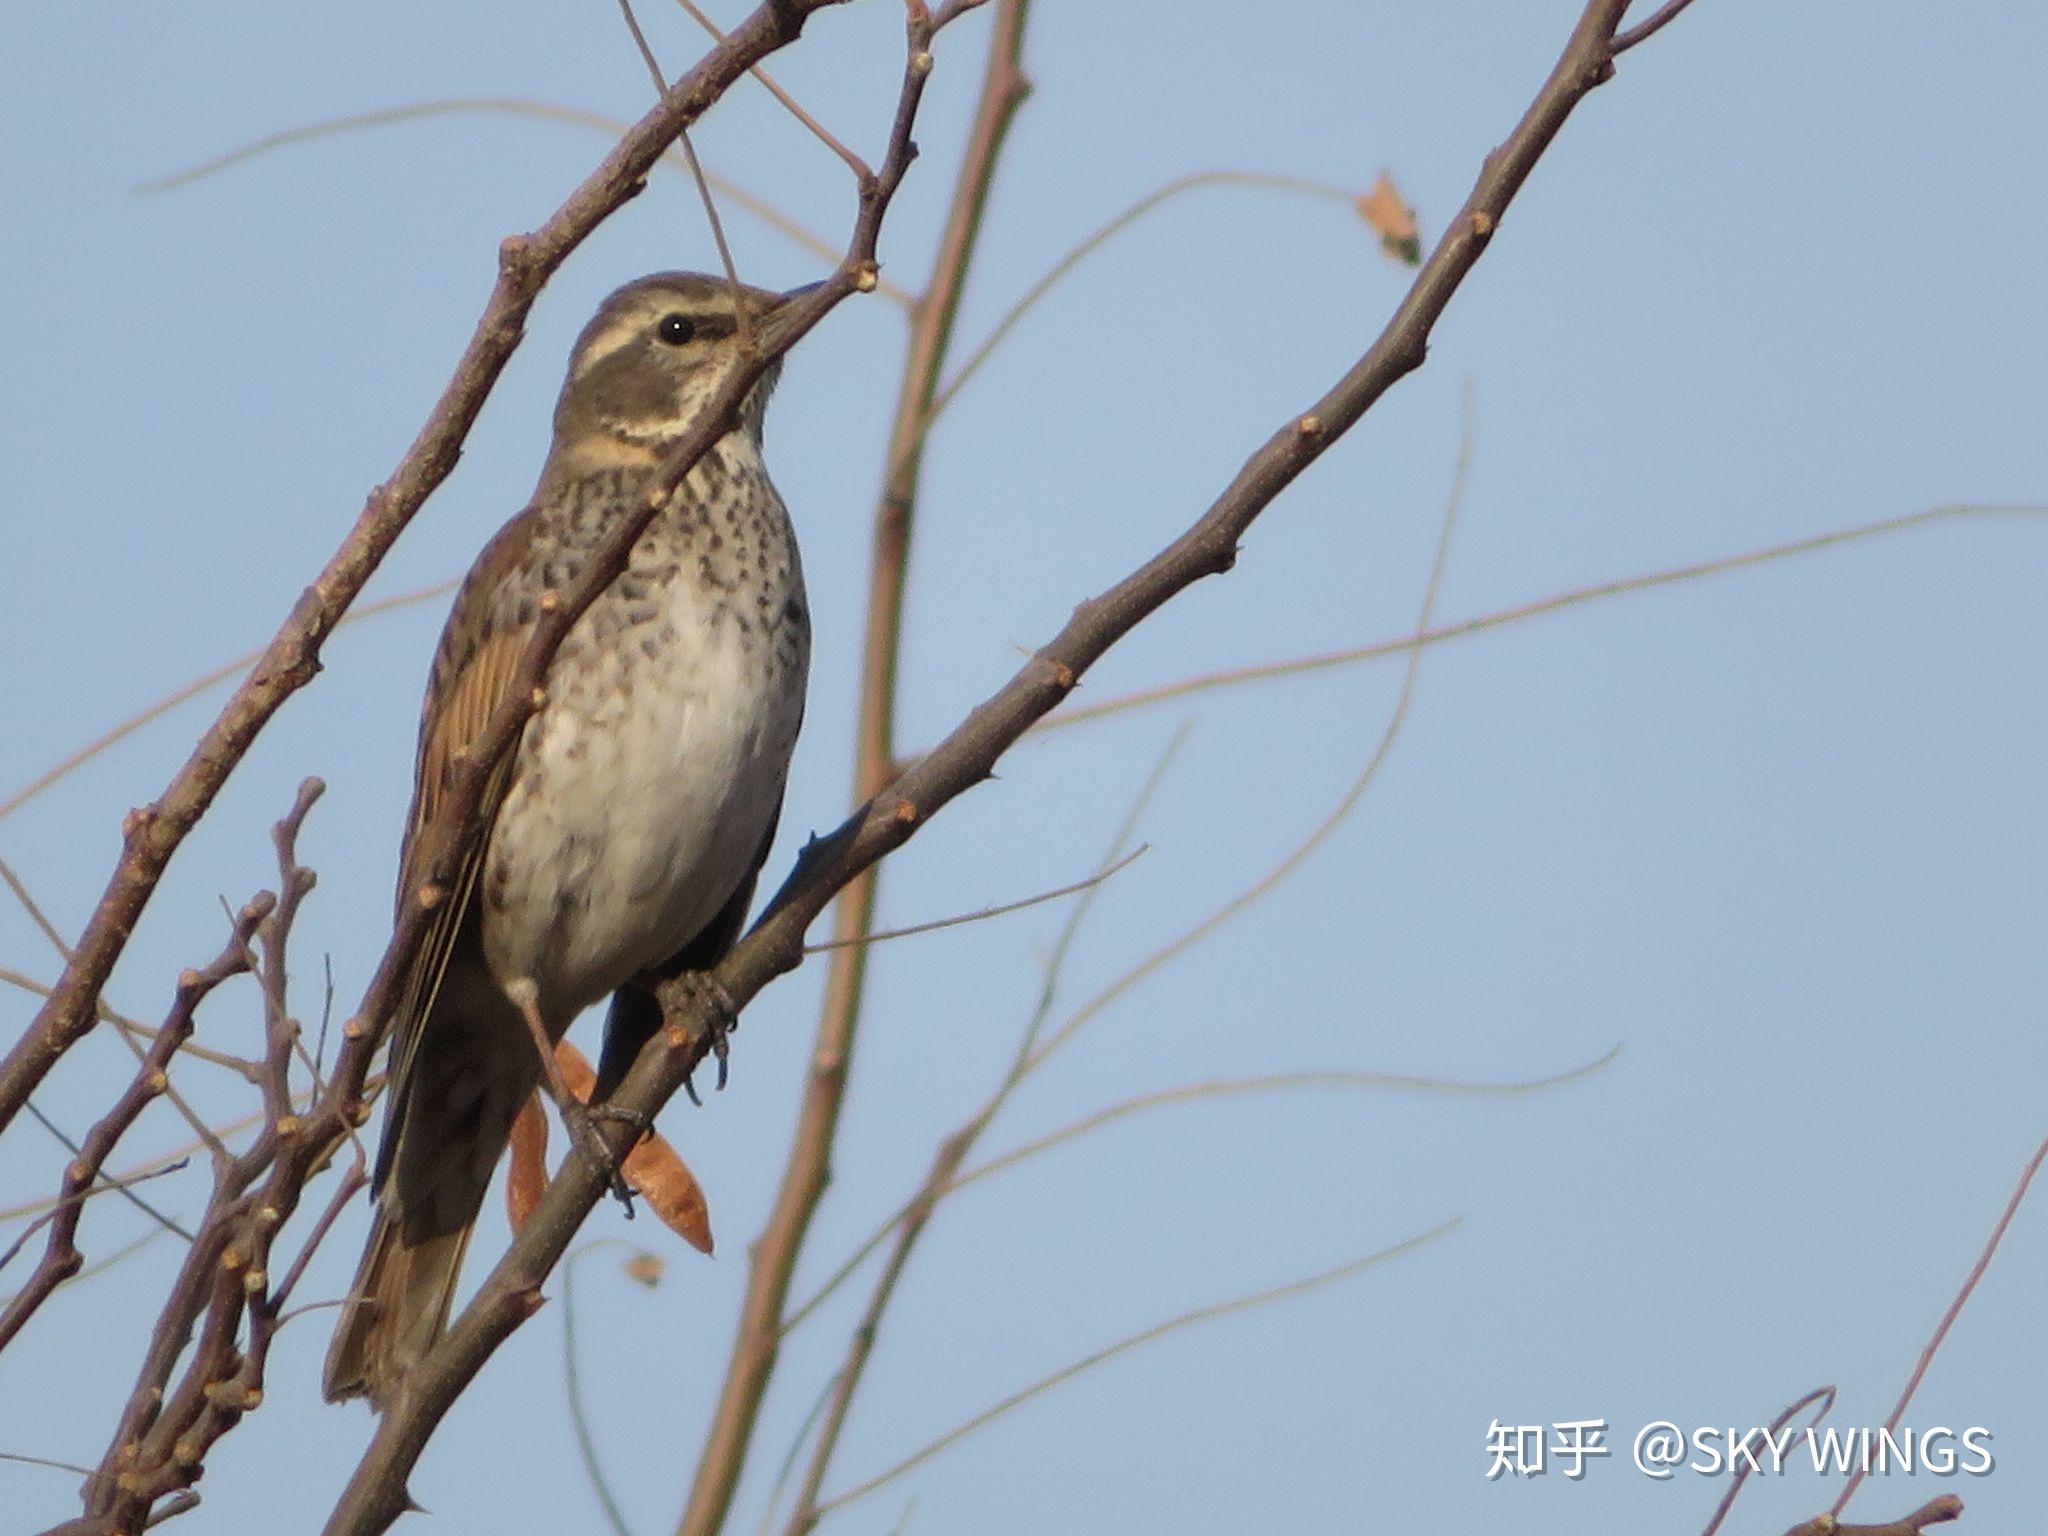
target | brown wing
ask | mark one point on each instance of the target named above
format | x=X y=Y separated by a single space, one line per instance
x=473 y=671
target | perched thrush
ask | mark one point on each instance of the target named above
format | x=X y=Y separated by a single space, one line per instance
x=625 y=830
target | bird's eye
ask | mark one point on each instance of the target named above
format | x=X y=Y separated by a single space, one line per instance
x=676 y=329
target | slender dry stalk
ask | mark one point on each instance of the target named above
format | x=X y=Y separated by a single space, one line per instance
x=774 y=1256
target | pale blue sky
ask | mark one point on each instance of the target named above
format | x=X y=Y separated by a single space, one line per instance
x=1779 y=836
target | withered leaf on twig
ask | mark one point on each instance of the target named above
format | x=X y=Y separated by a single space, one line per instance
x=528 y=1174
x=1392 y=220
x=654 y=1168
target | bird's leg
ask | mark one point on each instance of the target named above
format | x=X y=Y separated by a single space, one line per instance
x=576 y=1115
x=690 y=990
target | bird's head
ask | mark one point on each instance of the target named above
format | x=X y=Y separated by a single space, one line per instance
x=650 y=359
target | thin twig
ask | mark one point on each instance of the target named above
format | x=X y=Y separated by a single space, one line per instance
x=61 y=1259
x=1825 y=1396
x=192 y=690
x=1275 y=1082
x=1067 y=1373
x=1002 y=909
x=99 y=1266
x=34 y=910
x=1503 y=617
x=740 y=308
x=122 y=1184
x=1664 y=16
x=138 y=1030
x=854 y=163
x=1948 y=1318
x=1272 y=1082
x=1302 y=851
x=961 y=1140
x=1091 y=243
x=148 y=1165
x=579 y=1420
x=45 y=1461
x=796 y=1448
x=520 y=106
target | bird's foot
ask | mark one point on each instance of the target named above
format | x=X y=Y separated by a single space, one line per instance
x=691 y=991
x=582 y=1122
x=576 y=1115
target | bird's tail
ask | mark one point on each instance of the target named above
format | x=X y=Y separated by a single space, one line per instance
x=396 y=1309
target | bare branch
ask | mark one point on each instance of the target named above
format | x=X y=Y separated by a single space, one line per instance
x=1933 y=1512
x=1271 y=1082
x=709 y=204
x=954 y=1149
x=1276 y=1082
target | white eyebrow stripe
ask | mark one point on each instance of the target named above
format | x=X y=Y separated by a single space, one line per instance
x=607 y=341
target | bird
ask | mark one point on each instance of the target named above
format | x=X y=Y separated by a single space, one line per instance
x=625 y=829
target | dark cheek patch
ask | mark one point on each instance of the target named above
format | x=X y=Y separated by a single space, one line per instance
x=632 y=386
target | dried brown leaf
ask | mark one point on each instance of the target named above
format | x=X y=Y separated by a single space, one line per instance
x=529 y=1172
x=645 y=1267
x=1393 y=220
x=654 y=1168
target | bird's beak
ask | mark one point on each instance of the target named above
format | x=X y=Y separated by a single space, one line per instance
x=775 y=324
